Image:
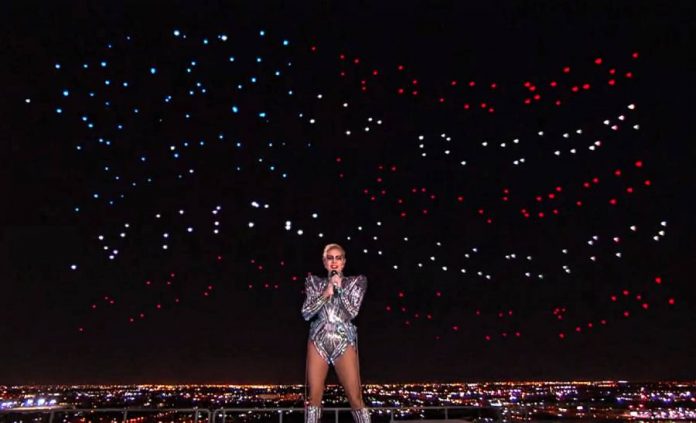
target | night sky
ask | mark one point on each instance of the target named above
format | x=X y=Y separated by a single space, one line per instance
x=514 y=180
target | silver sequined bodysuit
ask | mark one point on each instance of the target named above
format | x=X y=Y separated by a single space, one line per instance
x=331 y=331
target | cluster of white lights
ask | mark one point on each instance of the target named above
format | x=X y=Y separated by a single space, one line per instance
x=660 y=233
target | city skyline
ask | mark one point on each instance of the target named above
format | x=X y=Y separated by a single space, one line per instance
x=507 y=401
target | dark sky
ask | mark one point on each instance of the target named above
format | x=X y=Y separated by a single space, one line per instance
x=461 y=300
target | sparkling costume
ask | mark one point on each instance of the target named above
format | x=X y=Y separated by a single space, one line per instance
x=331 y=330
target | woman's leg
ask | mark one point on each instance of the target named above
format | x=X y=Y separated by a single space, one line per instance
x=348 y=371
x=317 y=370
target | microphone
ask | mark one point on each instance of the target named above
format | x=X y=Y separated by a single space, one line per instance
x=337 y=289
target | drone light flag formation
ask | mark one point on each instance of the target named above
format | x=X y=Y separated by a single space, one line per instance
x=494 y=203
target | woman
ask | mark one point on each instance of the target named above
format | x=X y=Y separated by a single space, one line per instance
x=331 y=303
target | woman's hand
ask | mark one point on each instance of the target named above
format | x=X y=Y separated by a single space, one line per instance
x=329 y=291
x=334 y=284
x=335 y=281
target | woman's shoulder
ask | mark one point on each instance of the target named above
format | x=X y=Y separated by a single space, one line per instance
x=359 y=279
x=313 y=278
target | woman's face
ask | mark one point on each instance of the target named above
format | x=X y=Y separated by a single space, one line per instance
x=334 y=260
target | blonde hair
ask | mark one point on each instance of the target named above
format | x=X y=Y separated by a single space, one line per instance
x=331 y=247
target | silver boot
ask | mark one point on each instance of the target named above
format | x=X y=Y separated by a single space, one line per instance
x=361 y=415
x=312 y=414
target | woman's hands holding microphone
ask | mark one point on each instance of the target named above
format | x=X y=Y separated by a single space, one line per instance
x=334 y=285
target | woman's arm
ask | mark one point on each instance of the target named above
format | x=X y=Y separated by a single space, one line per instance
x=352 y=296
x=314 y=300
